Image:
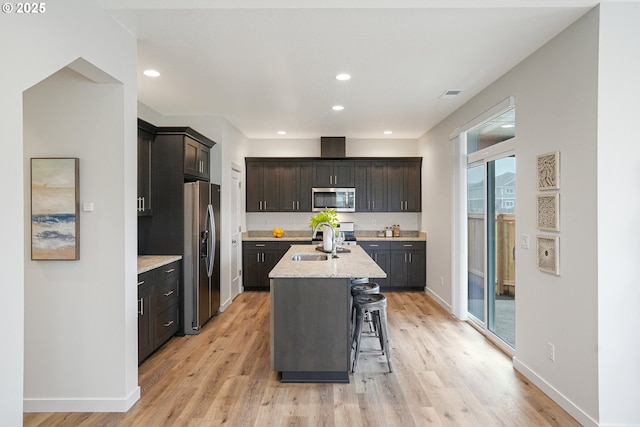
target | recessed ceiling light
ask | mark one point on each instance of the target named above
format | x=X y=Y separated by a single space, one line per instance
x=282 y=132
x=387 y=132
x=337 y=108
x=151 y=73
x=343 y=76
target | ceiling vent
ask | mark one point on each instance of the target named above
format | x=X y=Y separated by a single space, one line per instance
x=450 y=94
x=333 y=146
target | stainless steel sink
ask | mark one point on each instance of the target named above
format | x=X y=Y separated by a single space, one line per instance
x=309 y=257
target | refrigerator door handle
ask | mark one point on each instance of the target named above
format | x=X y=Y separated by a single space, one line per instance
x=211 y=244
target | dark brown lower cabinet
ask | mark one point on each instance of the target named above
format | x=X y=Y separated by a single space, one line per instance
x=259 y=258
x=405 y=262
x=158 y=307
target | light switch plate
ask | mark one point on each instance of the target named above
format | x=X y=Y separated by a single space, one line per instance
x=524 y=241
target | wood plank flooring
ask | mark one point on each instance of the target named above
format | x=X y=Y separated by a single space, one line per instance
x=445 y=374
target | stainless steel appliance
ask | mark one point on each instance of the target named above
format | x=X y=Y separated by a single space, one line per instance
x=348 y=231
x=201 y=254
x=340 y=199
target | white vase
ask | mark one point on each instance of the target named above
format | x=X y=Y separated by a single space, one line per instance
x=326 y=238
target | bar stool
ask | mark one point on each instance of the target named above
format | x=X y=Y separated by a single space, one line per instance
x=376 y=305
x=360 y=288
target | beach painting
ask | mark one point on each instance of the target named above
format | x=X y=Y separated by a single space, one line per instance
x=55 y=220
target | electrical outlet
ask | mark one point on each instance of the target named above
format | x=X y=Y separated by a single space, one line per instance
x=551 y=352
x=441 y=281
x=373 y=222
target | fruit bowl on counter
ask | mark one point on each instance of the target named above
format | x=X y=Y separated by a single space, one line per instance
x=278 y=232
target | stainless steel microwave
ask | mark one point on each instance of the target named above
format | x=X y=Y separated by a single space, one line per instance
x=340 y=199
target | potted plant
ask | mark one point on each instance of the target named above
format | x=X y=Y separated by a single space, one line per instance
x=329 y=216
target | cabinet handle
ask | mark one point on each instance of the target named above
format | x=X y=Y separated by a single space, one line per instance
x=408 y=246
x=260 y=208
x=373 y=246
x=169 y=323
x=262 y=256
x=373 y=205
x=168 y=293
x=143 y=207
x=171 y=270
x=375 y=257
x=406 y=205
x=141 y=306
x=265 y=205
x=260 y=245
x=401 y=205
x=335 y=179
x=405 y=257
x=258 y=257
x=410 y=259
x=293 y=205
x=141 y=282
x=298 y=205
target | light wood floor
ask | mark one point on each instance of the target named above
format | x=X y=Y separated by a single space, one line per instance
x=445 y=374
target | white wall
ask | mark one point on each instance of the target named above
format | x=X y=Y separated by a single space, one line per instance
x=570 y=99
x=618 y=213
x=54 y=40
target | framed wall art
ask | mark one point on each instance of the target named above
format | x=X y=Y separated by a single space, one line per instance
x=548 y=212
x=549 y=171
x=548 y=248
x=55 y=208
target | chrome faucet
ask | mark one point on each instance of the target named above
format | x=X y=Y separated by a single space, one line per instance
x=334 y=249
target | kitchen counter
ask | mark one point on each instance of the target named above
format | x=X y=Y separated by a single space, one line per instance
x=149 y=262
x=310 y=313
x=348 y=265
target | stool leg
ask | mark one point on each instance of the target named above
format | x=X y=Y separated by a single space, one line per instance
x=385 y=336
x=356 y=337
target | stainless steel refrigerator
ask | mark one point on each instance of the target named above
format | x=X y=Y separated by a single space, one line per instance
x=201 y=254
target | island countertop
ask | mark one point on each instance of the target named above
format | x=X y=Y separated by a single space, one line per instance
x=348 y=265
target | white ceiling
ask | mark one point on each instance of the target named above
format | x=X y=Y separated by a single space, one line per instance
x=271 y=68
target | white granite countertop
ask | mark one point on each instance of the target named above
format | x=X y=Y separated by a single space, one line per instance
x=348 y=265
x=149 y=262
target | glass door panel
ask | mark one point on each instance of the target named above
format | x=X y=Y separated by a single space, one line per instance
x=501 y=289
x=476 y=241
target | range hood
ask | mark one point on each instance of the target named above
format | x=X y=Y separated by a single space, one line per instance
x=333 y=146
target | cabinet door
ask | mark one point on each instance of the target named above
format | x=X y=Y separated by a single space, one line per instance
x=288 y=187
x=378 y=186
x=395 y=186
x=203 y=161
x=145 y=333
x=361 y=183
x=255 y=193
x=144 y=173
x=270 y=187
x=417 y=269
x=343 y=173
x=251 y=272
x=412 y=186
x=382 y=258
x=323 y=173
x=191 y=157
x=397 y=275
x=305 y=181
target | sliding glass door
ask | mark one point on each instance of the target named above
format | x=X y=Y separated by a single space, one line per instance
x=491 y=244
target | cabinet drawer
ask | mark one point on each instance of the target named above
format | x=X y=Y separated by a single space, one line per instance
x=408 y=245
x=167 y=271
x=374 y=245
x=260 y=245
x=165 y=325
x=165 y=293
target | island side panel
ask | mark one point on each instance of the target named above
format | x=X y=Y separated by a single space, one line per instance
x=310 y=324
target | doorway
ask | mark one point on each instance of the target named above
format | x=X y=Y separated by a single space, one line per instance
x=236 y=232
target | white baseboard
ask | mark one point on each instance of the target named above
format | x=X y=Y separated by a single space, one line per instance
x=573 y=410
x=82 y=404
x=439 y=300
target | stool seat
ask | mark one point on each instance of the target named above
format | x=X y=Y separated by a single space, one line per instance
x=376 y=306
x=365 y=288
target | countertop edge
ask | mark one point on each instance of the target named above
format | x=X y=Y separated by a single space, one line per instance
x=150 y=262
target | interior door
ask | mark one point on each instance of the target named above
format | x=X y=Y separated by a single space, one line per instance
x=236 y=232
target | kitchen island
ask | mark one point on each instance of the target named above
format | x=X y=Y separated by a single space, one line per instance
x=310 y=312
